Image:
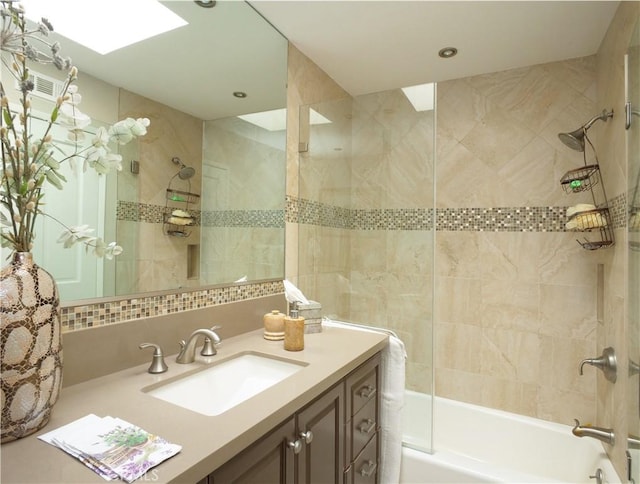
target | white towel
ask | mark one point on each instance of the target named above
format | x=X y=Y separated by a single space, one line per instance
x=392 y=384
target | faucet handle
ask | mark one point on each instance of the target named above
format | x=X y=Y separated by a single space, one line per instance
x=209 y=346
x=606 y=362
x=157 y=363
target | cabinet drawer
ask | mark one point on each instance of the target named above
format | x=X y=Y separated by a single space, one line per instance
x=362 y=386
x=362 y=428
x=364 y=470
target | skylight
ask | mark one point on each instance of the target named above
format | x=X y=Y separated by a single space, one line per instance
x=105 y=25
x=420 y=96
x=276 y=120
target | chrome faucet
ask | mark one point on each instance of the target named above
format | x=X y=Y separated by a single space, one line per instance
x=605 y=435
x=188 y=350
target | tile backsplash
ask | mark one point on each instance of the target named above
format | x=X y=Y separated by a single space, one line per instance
x=110 y=312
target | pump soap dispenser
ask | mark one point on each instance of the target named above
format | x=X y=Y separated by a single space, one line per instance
x=293 y=330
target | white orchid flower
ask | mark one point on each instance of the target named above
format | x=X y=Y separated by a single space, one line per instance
x=121 y=133
x=71 y=117
x=103 y=161
x=101 y=138
x=112 y=250
x=139 y=127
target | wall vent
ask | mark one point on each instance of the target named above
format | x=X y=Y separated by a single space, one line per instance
x=45 y=87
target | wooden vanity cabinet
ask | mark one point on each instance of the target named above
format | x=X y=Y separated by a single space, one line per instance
x=362 y=423
x=334 y=453
x=268 y=460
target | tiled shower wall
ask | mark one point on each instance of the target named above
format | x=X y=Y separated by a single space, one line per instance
x=515 y=294
x=516 y=311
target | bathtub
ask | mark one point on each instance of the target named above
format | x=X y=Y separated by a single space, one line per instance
x=477 y=444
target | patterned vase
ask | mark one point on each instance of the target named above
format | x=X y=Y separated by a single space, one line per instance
x=31 y=347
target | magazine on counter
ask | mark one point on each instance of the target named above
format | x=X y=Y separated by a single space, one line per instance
x=112 y=447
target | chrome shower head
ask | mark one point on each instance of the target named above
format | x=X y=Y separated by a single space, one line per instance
x=575 y=139
x=185 y=172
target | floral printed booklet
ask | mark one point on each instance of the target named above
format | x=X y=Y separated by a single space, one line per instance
x=113 y=448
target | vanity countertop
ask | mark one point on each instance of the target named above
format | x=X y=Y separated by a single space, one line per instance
x=207 y=441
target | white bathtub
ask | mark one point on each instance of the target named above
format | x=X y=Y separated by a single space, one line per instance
x=478 y=444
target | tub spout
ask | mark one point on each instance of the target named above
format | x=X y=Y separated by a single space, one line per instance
x=605 y=435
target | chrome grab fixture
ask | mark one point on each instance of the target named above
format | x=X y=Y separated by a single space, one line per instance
x=633 y=442
x=209 y=348
x=296 y=445
x=157 y=363
x=606 y=362
x=605 y=435
x=188 y=350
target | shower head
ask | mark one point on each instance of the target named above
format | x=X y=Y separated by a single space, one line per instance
x=185 y=172
x=575 y=139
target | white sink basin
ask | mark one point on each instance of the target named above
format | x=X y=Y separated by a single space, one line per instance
x=219 y=387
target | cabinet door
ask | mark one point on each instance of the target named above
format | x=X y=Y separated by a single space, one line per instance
x=268 y=461
x=321 y=461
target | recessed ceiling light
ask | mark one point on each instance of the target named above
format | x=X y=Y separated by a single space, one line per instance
x=420 y=96
x=92 y=23
x=240 y=94
x=447 y=52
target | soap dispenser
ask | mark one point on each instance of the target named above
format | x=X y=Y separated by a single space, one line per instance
x=294 y=330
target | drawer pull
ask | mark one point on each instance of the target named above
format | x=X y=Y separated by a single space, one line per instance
x=368 y=468
x=368 y=391
x=367 y=426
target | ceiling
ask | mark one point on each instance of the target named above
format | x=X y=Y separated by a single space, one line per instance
x=365 y=46
x=371 y=46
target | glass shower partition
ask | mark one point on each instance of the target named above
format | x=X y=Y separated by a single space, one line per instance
x=366 y=227
x=632 y=63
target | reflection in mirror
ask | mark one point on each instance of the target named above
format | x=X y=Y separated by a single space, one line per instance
x=238 y=229
x=242 y=232
x=633 y=161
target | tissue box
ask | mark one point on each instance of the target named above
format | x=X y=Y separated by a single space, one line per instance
x=312 y=314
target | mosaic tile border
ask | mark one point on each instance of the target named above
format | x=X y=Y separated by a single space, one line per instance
x=244 y=218
x=501 y=219
x=489 y=219
x=103 y=313
x=143 y=212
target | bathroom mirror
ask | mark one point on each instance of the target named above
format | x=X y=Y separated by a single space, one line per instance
x=226 y=62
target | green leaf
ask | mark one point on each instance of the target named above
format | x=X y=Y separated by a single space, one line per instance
x=7 y=117
x=54 y=114
x=52 y=178
x=51 y=162
x=60 y=175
